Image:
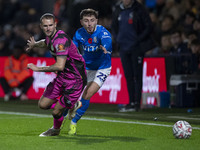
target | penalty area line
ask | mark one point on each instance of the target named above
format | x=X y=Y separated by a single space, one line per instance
x=92 y=119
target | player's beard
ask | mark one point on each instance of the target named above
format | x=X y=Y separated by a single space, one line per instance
x=50 y=33
x=90 y=29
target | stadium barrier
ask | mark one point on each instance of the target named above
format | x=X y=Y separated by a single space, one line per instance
x=156 y=89
x=114 y=90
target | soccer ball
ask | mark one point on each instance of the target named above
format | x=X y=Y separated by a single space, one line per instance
x=182 y=130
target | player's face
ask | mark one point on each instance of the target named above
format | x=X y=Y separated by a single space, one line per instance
x=48 y=26
x=89 y=23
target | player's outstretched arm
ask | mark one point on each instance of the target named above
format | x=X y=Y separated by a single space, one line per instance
x=31 y=43
x=32 y=67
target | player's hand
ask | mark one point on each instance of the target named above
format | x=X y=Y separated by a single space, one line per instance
x=32 y=67
x=31 y=42
x=104 y=49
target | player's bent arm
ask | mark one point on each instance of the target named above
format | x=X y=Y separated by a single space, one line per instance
x=58 y=66
x=106 y=42
x=106 y=45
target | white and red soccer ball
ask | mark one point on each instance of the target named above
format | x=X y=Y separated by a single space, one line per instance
x=182 y=130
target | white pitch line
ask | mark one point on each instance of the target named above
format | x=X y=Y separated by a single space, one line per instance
x=2 y=118
x=25 y=114
x=95 y=119
x=181 y=117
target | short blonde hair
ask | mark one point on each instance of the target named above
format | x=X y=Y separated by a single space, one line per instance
x=47 y=16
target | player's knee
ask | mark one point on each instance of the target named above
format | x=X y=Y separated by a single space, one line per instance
x=41 y=105
x=57 y=114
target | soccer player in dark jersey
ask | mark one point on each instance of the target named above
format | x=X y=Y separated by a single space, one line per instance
x=63 y=92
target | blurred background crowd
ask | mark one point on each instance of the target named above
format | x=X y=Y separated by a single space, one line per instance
x=176 y=25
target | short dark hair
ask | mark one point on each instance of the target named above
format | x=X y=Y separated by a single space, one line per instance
x=89 y=12
x=47 y=16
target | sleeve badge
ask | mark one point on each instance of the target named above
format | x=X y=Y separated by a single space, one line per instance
x=60 y=47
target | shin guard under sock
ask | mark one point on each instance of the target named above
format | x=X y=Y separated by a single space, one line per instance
x=81 y=111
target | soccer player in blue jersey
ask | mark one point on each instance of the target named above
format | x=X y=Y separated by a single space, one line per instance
x=95 y=43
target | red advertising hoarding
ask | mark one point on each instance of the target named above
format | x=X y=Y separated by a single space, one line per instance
x=154 y=80
x=113 y=91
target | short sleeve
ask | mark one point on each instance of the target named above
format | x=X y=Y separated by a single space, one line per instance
x=106 y=40
x=61 y=46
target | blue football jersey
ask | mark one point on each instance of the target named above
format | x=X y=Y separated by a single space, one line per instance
x=89 y=45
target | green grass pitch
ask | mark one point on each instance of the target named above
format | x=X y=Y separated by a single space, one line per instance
x=102 y=128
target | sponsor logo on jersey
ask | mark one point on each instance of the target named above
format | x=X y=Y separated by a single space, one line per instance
x=91 y=48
